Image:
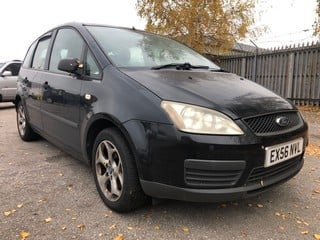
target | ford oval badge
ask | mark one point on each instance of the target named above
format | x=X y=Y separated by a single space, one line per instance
x=282 y=121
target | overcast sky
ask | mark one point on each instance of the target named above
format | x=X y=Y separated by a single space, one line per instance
x=22 y=21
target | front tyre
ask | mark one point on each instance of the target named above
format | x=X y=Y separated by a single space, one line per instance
x=25 y=131
x=115 y=173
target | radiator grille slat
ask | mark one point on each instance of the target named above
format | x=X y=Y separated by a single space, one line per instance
x=266 y=124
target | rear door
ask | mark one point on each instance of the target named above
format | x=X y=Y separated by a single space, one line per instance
x=30 y=80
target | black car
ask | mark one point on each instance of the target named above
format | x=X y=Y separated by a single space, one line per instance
x=154 y=118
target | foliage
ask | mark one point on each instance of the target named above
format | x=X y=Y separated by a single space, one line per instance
x=316 y=25
x=206 y=25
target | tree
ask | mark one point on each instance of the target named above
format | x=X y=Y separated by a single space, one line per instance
x=316 y=25
x=205 y=25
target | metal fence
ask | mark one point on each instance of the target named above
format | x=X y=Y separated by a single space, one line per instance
x=292 y=72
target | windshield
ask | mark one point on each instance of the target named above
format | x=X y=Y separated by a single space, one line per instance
x=130 y=48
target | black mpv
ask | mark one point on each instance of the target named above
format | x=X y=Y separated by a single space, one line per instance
x=155 y=118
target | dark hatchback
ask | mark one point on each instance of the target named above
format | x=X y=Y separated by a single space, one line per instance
x=154 y=118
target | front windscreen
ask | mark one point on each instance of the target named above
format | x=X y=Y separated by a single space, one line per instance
x=131 y=48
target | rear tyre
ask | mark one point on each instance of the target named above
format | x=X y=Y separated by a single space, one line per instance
x=115 y=173
x=25 y=131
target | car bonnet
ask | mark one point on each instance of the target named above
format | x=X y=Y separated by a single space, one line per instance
x=224 y=92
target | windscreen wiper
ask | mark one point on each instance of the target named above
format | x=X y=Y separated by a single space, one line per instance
x=180 y=66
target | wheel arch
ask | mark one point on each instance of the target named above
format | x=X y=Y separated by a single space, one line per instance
x=99 y=123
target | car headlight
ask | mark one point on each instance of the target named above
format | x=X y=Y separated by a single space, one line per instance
x=194 y=119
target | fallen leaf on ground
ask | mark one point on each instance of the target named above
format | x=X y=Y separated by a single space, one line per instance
x=119 y=237
x=19 y=205
x=259 y=205
x=64 y=228
x=305 y=232
x=113 y=226
x=130 y=228
x=24 y=235
x=8 y=213
x=185 y=229
x=316 y=191
x=47 y=220
x=81 y=226
x=317 y=236
x=313 y=150
x=156 y=227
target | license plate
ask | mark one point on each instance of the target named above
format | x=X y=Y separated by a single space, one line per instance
x=282 y=152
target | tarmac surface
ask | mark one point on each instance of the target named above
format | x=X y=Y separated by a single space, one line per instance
x=47 y=194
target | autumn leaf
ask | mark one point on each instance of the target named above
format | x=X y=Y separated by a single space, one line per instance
x=185 y=229
x=19 y=205
x=130 y=228
x=156 y=227
x=316 y=191
x=47 y=220
x=7 y=213
x=304 y=232
x=259 y=205
x=313 y=150
x=81 y=226
x=317 y=236
x=24 y=235
x=119 y=237
x=113 y=226
x=64 y=228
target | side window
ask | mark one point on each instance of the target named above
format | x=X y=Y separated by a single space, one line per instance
x=68 y=44
x=40 y=54
x=91 y=69
x=28 y=58
x=13 y=68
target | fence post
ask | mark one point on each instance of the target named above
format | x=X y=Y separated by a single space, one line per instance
x=289 y=80
x=243 y=67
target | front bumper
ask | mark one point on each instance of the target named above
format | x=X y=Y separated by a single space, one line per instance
x=159 y=190
x=203 y=168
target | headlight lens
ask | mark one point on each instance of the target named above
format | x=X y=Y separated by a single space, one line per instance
x=194 y=119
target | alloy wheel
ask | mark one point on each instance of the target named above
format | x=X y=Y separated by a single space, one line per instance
x=109 y=170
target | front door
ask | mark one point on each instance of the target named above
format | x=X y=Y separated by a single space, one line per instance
x=61 y=91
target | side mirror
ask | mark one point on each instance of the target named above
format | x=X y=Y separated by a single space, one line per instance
x=6 y=74
x=70 y=65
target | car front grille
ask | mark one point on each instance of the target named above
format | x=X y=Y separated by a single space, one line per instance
x=266 y=124
x=262 y=173
x=205 y=174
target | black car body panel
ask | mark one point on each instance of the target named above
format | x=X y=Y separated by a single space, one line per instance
x=71 y=109
x=239 y=98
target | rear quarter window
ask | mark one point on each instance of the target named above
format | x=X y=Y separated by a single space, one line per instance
x=40 y=54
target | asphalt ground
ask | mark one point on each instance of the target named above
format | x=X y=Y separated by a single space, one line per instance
x=47 y=194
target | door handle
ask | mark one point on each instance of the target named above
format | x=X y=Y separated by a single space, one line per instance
x=45 y=86
x=25 y=80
